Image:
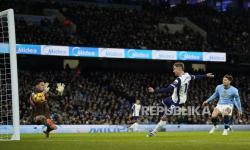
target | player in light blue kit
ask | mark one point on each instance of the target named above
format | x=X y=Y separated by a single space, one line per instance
x=228 y=97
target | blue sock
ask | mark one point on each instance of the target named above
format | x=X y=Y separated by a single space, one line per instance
x=231 y=120
x=214 y=121
x=226 y=121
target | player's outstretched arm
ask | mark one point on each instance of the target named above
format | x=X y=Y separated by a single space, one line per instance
x=176 y=83
x=237 y=103
x=161 y=90
x=60 y=89
x=208 y=75
x=132 y=109
x=31 y=100
x=212 y=97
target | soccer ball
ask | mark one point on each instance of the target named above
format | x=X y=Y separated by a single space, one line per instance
x=39 y=98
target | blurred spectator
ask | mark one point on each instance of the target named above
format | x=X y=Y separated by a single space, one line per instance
x=106 y=97
x=135 y=28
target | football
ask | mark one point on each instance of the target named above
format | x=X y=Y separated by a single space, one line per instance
x=39 y=98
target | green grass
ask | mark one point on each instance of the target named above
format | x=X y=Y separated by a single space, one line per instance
x=131 y=141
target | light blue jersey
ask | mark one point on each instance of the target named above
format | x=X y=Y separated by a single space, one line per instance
x=227 y=96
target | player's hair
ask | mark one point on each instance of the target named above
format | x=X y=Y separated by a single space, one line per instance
x=179 y=64
x=229 y=77
x=37 y=81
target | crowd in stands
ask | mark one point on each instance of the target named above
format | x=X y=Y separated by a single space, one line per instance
x=48 y=33
x=227 y=31
x=106 y=97
x=106 y=27
x=136 y=28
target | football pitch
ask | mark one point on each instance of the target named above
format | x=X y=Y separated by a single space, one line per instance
x=132 y=141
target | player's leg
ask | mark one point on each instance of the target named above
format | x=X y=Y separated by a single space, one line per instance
x=160 y=124
x=40 y=119
x=166 y=104
x=231 y=123
x=214 y=119
x=50 y=127
x=134 y=125
x=130 y=127
x=49 y=123
x=227 y=112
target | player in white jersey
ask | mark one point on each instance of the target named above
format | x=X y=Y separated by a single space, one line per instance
x=179 y=96
x=136 y=110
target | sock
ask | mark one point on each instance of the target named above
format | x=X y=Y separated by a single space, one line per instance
x=231 y=120
x=158 y=126
x=48 y=129
x=214 y=121
x=132 y=126
x=50 y=125
x=135 y=126
x=226 y=121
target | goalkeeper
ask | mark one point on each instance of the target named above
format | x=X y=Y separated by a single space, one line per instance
x=39 y=102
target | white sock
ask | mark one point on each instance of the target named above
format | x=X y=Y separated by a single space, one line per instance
x=136 y=126
x=132 y=126
x=159 y=125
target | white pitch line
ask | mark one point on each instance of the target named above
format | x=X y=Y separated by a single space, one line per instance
x=146 y=141
x=49 y=140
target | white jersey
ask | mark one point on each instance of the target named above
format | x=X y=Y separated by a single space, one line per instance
x=136 y=110
x=180 y=91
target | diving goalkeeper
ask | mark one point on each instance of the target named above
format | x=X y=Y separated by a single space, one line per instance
x=39 y=102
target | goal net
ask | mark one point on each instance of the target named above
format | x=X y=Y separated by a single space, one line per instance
x=9 y=103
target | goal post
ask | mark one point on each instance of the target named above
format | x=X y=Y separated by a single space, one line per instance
x=9 y=99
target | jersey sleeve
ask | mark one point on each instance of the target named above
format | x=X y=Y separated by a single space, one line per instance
x=173 y=85
x=193 y=77
x=31 y=100
x=140 y=113
x=236 y=101
x=132 y=109
x=215 y=95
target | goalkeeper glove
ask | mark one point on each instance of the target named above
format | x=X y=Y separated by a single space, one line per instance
x=46 y=87
x=60 y=88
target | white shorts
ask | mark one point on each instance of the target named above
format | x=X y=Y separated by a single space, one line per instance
x=223 y=107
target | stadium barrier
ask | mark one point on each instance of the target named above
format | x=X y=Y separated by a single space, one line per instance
x=53 y=50
x=116 y=128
